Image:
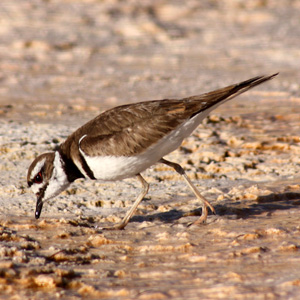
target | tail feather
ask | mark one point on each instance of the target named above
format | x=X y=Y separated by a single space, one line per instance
x=237 y=89
x=217 y=97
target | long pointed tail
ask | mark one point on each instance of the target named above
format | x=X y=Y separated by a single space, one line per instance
x=217 y=97
x=237 y=89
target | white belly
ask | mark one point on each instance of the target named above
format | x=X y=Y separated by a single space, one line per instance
x=120 y=167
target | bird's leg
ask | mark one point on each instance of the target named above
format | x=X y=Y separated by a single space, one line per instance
x=132 y=210
x=204 y=202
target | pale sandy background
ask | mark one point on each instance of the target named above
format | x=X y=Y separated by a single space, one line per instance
x=63 y=62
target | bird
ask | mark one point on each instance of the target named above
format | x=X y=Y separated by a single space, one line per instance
x=124 y=141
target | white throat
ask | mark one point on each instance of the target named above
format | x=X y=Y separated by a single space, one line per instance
x=59 y=180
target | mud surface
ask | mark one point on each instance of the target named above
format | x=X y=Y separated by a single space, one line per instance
x=63 y=62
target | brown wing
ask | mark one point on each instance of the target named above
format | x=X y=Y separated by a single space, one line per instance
x=130 y=129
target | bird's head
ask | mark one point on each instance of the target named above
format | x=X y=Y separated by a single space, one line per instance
x=47 y=178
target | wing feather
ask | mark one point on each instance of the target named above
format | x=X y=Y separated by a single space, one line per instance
x=129 y=129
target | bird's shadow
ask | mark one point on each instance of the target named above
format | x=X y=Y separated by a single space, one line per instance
x=243 y=209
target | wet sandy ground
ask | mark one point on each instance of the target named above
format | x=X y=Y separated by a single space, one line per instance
x=62 y=62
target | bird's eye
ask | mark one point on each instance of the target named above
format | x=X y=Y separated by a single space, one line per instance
x=38 y=178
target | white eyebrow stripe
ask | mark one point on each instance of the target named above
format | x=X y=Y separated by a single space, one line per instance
x=37 y=168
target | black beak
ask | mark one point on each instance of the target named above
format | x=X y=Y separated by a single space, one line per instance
x=39 y=206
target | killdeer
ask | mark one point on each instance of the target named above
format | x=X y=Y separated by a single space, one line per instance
x=124 y=141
